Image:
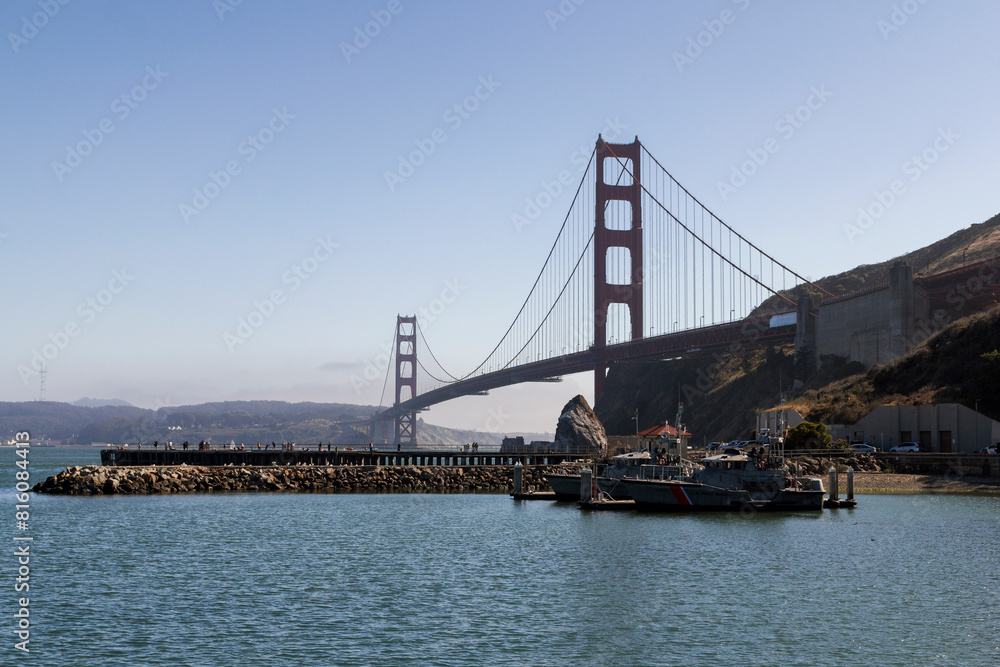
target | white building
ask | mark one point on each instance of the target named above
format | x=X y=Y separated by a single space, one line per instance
x=775 y=419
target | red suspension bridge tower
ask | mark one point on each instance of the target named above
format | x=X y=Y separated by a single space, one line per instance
x=621 y=162
x=406 y=377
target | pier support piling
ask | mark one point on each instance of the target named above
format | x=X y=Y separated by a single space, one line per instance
x=585 y=485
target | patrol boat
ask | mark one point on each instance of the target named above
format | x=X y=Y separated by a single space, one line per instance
x=733 y=480
x=608 y=477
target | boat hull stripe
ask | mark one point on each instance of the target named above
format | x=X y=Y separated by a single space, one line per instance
x=680 y=494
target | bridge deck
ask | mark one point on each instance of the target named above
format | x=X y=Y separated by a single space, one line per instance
x=739 y=334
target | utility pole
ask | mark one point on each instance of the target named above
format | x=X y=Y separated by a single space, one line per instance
x=977 y=425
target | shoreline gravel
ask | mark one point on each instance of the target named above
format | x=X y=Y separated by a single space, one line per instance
x=892 y=483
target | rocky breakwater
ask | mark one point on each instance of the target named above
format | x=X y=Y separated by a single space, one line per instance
x=107 y=480
x=818 y=466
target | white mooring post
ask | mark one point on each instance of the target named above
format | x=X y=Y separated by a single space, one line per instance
x=833 y=483
x=518 y=478
x=850 y=483
x=585 y=480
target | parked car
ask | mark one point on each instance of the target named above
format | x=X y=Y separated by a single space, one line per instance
x=906 y=447
x=988 y=450
x=861 y=447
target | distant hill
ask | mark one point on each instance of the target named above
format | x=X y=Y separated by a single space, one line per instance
x=238 y=421
x=58 y=421
x=101 y=403
x=448 y=436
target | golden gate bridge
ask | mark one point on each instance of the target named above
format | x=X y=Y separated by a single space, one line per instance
x=640 y=269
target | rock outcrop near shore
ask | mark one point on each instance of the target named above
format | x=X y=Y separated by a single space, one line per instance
x=106 y=480
x=579 y=429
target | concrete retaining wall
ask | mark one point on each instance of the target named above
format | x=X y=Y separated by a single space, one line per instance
x=874 y=327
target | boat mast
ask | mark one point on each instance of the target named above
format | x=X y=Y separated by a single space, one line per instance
x=679 y=426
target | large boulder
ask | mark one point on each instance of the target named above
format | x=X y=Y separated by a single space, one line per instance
x=579 y=429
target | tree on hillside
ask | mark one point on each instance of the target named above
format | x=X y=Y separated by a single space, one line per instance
x=808 y=435
x=988 y=384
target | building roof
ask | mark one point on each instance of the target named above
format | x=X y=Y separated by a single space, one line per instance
x=661 y=430
x=779 y=408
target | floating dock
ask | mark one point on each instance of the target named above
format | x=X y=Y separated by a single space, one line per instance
x=607 y=505
x=534 y=495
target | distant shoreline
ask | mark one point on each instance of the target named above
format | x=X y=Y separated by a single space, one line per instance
x=892 y=483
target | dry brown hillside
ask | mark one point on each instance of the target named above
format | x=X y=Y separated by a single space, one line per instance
x=721 y=395
x=959 y=364
x=972 y=244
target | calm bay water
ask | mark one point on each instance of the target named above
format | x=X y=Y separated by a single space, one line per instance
x=309 y=579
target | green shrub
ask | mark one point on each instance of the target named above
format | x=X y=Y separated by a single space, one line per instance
x=808 y=435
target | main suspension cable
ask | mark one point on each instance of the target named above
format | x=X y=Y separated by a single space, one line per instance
x=695 y=236
x=540 y=273
x=427 y=345
x=721 y=221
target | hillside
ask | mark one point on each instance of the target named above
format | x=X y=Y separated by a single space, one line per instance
x=722 y=394
x=58 y=421
x=87 y=402
x=959 y=364
x=972 y=244
x=719 y=394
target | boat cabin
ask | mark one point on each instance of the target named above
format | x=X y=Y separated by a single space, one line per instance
x=730 y=461
x=633 y=458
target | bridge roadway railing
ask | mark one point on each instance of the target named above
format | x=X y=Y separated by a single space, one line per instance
x=535 y=371
x=701 y=340
x=746 y=332
x=335 y=457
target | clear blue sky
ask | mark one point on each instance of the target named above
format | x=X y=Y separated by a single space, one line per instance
x=157 y=97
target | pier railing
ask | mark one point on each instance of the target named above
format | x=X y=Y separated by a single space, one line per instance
x=332 y=457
